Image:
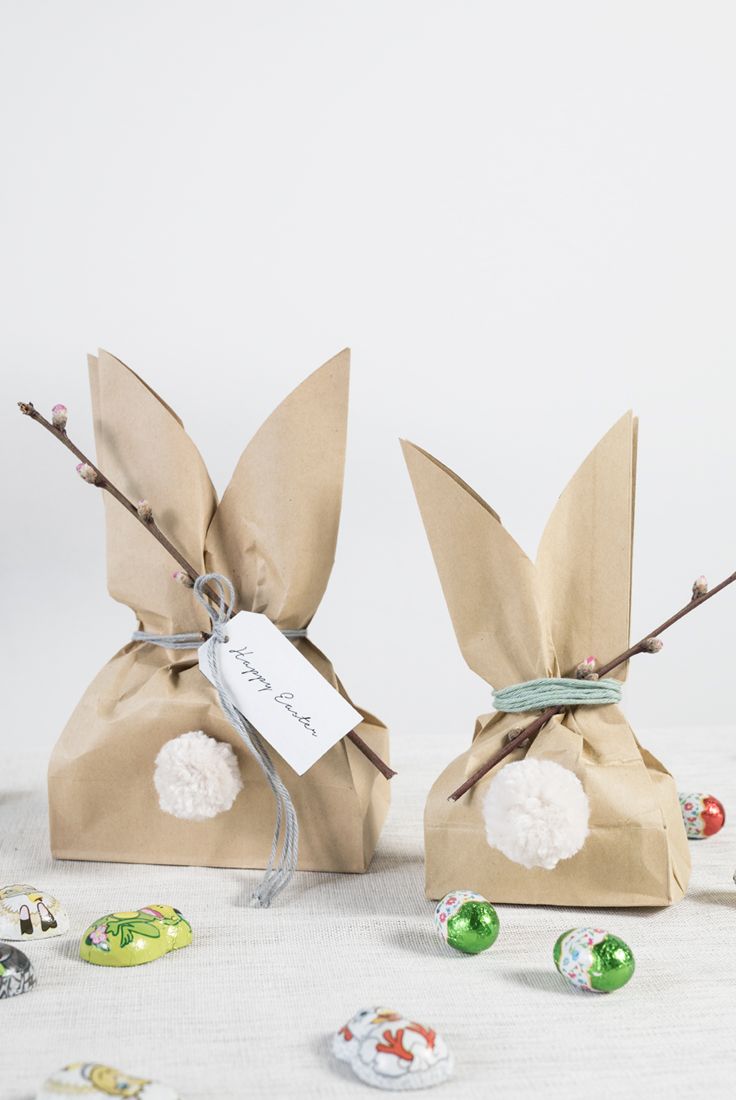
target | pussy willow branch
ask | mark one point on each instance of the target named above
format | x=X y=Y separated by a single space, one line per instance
x=530 y=732
x=102 y=482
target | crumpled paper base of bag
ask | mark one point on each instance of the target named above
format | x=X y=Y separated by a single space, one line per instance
x=103 y=803
x=636 y=853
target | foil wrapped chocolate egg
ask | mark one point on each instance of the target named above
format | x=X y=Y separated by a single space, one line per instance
x=16 y=972
x=702 y=814
x=92 y=1079
x=389 y=1051
x=467 y=921
x=346 y=1041
x=30 y=914
x=140 y=936
x=593 y=960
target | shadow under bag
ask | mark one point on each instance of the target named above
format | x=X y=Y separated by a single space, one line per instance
x=516 y=621
x=273 y=534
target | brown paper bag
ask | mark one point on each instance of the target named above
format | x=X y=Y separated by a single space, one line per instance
x=515 y=622
x=273 y=533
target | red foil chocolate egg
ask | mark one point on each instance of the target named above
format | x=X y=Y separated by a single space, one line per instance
x=702 y=814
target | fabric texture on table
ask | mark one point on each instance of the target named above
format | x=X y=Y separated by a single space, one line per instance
x=248 y=1009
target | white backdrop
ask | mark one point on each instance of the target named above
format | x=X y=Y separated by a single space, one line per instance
x=521 y=218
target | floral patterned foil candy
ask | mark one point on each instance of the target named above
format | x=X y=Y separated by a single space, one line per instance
x=702 y=814
x=91 y=1079
x=388 y=1051
x=16 y=972
x=466 y=921
x=593 y=960
x=30 y=914
x=140 y=936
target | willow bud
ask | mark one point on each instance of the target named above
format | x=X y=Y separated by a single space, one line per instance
x=87 y=472
x=586 y=670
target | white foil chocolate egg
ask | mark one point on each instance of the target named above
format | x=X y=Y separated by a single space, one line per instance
x=389 y=1051
x=30 y=914
x=346 y=1041
x=91 y=1079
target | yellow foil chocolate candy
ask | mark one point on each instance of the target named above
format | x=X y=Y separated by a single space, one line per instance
x=91 y=1079
x=129 y=939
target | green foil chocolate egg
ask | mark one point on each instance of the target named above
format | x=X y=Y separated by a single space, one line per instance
x=467 y=921
x=593 y=960
x=129 y=939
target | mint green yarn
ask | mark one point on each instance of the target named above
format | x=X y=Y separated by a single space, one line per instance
x=559 y=692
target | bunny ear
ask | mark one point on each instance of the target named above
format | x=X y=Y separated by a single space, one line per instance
x=143 y=449
x=275 y=530
x=489 y=583
x=584 y=558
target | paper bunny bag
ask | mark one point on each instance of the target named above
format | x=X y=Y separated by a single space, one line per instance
x=516 y=621
x=273 y=534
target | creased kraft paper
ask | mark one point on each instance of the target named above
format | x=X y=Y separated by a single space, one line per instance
x=273 y=533
x=515 y=621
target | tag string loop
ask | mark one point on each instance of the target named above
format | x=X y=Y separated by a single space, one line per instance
x=279 y=870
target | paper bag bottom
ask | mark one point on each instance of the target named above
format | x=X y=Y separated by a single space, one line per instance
x=620 y=864
x=103 y=803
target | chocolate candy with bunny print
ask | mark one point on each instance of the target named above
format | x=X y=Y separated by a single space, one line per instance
x=30 y=914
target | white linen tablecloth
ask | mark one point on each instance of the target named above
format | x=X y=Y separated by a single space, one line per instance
x=248 y=1010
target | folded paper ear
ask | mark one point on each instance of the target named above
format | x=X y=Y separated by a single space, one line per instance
x=489 y=583
x=584 y=558
x=275 y=530
x=143 y=449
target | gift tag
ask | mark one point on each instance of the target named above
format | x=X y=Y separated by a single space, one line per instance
x=280 y=693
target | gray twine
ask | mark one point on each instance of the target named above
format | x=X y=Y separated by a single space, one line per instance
x=278 y=873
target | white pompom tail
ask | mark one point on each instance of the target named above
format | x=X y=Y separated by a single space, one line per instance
x=536 y=813
x=196 y=777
